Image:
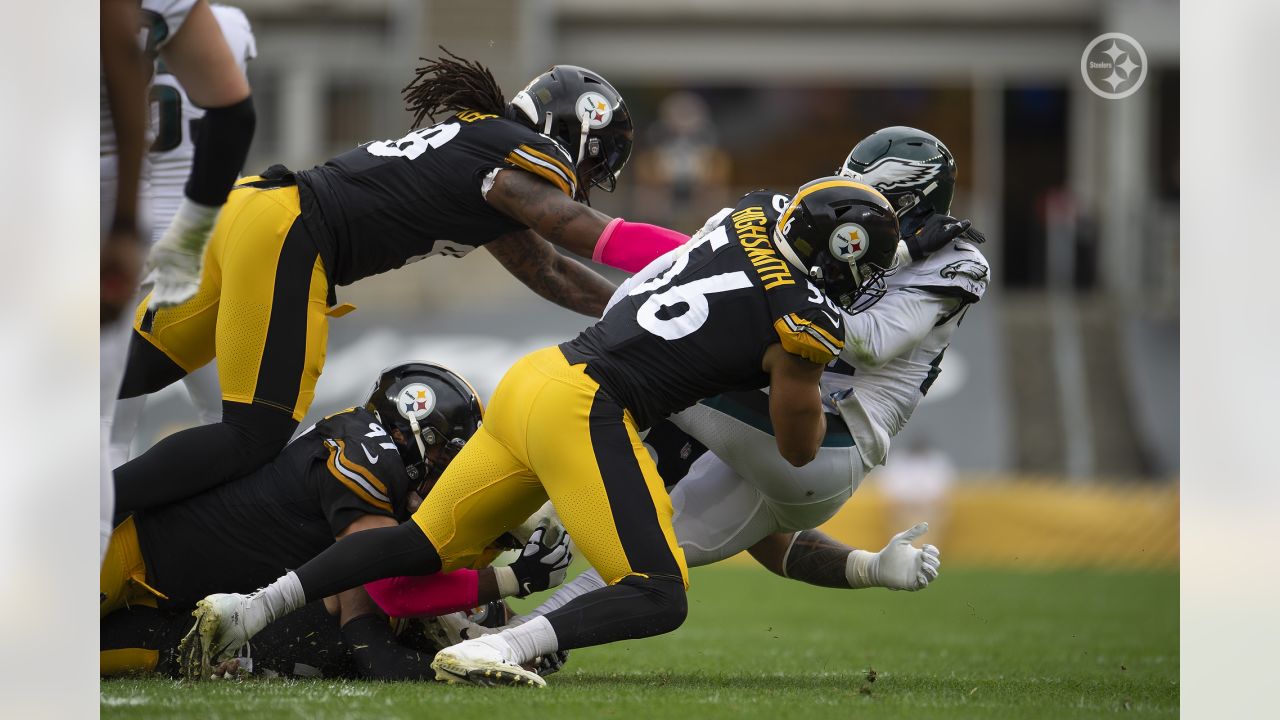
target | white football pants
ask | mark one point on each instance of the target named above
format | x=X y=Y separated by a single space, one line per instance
x=742 y=490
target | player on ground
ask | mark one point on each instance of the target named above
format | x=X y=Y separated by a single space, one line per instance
x=740 y=496
x=362 y=468
x=745 y=304
x=494 y=174
x=175 y=122
x=185 y=35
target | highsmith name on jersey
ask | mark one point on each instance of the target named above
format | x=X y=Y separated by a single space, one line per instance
x=696 y=322
x=388 y=203
x=878 y=381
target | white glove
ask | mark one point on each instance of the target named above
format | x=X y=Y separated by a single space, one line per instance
x=176 y=259
x=899 y=566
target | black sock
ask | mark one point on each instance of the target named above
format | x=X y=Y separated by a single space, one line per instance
x=634 y=608
x=199 y=458
x=366 y=556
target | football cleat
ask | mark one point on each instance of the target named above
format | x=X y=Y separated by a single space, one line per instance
x=224 y=624
x=481 y=662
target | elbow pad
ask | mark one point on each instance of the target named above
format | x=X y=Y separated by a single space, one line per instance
x=221 y=146
x=631 y=246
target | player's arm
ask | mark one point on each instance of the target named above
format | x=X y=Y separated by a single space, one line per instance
x=795 y=404
x=813 y=557
x=562 y=280
x=892 y=326
x=124 y=73
x=577 y=227
x=199 y=57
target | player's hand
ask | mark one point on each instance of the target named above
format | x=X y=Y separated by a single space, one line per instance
x=543 y=564
x=120 y=267
x=549 y=664
x=934 y=234
x=178 y=255
x=902 y=566
x=177 y=275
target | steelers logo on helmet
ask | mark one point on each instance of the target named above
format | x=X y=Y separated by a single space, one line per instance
x=595 y=108
x=416 y=401
x=849 y=242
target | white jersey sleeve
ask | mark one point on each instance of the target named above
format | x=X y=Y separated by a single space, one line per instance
x=893 y=352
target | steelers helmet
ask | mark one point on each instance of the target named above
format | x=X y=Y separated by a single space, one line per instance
x=912 y=168
x=583 y=114
x=430 y=413
x=844 y=236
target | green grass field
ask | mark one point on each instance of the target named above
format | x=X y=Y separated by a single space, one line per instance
x=978 y=643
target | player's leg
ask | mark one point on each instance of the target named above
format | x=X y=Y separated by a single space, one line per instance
x=205 y=393
x=271 y=331
x=606 y=488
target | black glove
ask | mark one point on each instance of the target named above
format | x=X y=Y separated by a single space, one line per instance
x=934 y=235
x=542 y=566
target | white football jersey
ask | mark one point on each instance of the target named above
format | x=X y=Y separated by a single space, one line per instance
x=160 y=20
x=174 y=118
x=893 y=351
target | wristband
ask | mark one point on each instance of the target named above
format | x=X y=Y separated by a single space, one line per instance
x=860 y=569
x=508 y=585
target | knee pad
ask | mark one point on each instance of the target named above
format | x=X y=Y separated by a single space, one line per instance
x=671 y=605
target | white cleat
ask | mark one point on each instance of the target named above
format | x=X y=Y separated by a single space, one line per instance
x=481 y=662
x=224 y=624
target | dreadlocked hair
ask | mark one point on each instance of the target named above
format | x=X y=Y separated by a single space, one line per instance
x=451 y=83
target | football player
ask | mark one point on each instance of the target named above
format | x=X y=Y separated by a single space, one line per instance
x=740 y=496
x=747 y=303
x=185 y=35
x=511 y=177
x=169 y=161
x=362 y=468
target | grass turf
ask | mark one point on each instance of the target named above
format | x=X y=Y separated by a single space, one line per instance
x=978 y=643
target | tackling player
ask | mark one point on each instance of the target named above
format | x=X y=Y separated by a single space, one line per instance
x=362 y=468
x=185 y=35
x=747 y=303
x=741 y=496
x=494 y=174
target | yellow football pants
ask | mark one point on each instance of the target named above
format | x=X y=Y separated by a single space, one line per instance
x=550 y=432
x=123 y=579
x=261 y=308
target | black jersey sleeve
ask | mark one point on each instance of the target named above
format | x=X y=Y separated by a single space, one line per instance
x=815 y=332
x=361 y=472
x=548 y=161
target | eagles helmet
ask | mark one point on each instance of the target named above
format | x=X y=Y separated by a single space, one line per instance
x=430 y=412
x=844 y=236
x=586 y=116
x=912 y=168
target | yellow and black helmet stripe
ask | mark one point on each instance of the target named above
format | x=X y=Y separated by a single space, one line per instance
x=805 y=192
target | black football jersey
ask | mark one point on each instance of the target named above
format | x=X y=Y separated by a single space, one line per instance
x=388 y=203
x=244 y=534
x=697 y=321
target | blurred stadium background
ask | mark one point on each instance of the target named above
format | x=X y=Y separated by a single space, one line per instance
x=1054 y=426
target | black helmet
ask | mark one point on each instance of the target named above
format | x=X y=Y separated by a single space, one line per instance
x=844 y=236
x=430 y=412
x=912 y=168
x=582 y=112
